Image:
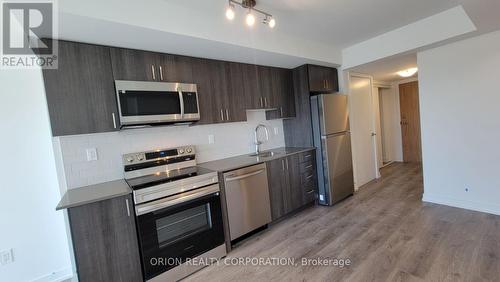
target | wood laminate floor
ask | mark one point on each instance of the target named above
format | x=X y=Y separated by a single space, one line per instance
x=386 y=231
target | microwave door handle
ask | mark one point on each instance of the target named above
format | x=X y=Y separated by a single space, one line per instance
x=181 y=100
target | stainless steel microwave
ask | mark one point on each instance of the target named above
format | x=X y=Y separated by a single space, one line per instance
x=154 y=103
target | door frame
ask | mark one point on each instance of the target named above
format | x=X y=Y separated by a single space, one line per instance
x=373 y=127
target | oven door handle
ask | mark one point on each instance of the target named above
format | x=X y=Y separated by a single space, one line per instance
x=181 y=100
x=175 y=200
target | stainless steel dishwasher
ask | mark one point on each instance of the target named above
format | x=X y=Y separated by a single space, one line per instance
x=247 y=199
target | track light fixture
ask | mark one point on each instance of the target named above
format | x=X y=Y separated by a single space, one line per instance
x=250 y=16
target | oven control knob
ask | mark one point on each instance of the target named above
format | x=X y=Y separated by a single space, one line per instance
x=189 y=150
x=130 y=159
x=140 y=157
x=181 y=151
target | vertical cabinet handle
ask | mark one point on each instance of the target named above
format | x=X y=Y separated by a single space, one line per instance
x=114 y=120
x=153 y=72
x=261 y=103
x=265 y=102
x=227 y=114
x=281 y=111
x=221 y=114
x=286 y=164
x=128 y=208
x=161 y=73
x=283 y=164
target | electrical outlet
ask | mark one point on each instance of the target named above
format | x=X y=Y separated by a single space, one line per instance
x=92 y=154
x=211 y=139
x=276 y=131
x=6 y=257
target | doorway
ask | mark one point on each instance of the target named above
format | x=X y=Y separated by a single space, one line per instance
x=410 y=121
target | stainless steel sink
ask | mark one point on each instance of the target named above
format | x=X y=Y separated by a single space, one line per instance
x=264 y=154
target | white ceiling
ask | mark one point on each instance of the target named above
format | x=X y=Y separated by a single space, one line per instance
x=386 y=69
x=342 y=23
x=306 y=31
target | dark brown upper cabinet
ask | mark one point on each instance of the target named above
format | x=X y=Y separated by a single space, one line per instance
x=236 y=111
x=136 y=65
x=150 y=66
x=282 y=96
x=81 y=93
x=251 y=86
x=265 y=87
x=174 y=68
x=322 y=79
x=207 y=93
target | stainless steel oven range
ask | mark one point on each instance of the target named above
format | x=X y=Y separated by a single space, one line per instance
x=178 y=211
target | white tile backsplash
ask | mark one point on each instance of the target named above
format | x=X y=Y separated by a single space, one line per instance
x=230 y=140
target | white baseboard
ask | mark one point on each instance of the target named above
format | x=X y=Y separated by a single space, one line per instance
x=57 y=276
x=463 y=204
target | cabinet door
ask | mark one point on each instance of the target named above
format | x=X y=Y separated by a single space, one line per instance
x=105 y=241
x=176 y=68
x=202 y=69
x=283 y=97
x=332 y=80
x=295 y=193
x=81 y=93
x=265 y=86
x=277 y=184
x=323 y=79
x=251 y=86
x=317 y=75
x=236 y=110
x=219 y=75
x=137 y=65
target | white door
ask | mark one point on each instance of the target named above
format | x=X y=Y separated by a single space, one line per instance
x=362 y=130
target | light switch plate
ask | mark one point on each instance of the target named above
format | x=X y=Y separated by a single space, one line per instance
x=211 y=139
x=6 y=257
x=92 y=154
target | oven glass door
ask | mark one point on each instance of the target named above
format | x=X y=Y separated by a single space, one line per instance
x=171 y=235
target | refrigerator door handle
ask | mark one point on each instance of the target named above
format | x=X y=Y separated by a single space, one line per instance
x=335 y=134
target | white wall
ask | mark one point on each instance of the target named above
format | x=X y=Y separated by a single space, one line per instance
x=29 y=189
x=460 y=119
x=390 y=119
x=230 y=139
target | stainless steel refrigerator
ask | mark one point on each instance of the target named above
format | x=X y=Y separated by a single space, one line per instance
x=332 y=139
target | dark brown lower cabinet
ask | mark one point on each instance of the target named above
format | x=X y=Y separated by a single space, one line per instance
x=105 y=241
x=292 y=183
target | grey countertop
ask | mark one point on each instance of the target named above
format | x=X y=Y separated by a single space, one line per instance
x=104 y=191
x=93 y=193
x=247 y=160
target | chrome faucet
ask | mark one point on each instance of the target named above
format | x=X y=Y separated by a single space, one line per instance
x=259 y=142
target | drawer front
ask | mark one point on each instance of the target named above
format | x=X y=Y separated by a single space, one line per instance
x=307 y=167
x=309 y=195
x=306 y=156
x=308 y=178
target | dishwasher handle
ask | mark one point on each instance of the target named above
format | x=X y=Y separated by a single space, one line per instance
x=229 y=179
